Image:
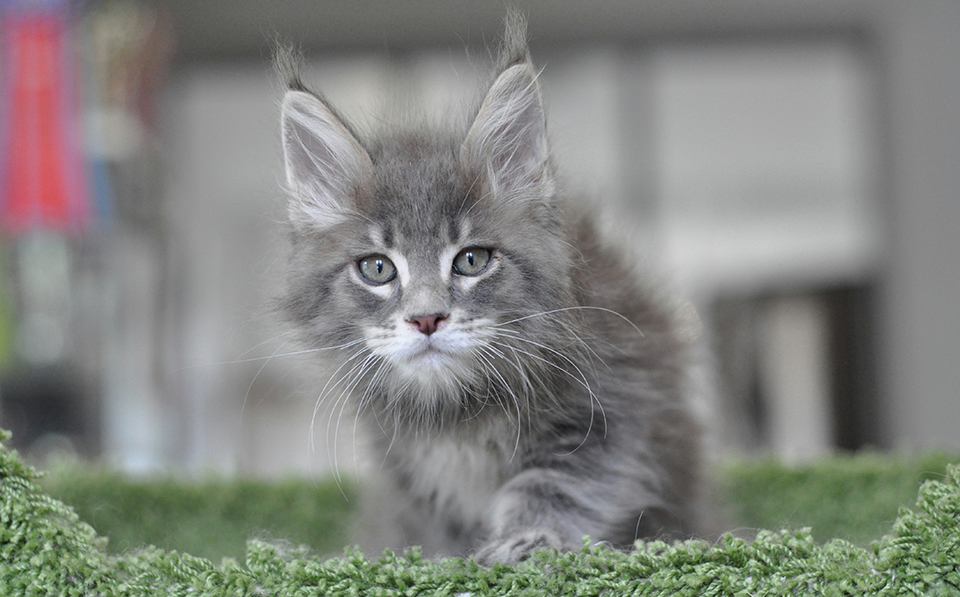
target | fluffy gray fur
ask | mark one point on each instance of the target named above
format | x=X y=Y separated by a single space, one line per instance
x=525 y=405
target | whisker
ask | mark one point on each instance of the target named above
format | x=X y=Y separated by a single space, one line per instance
x=353 y=374
x=362 y=369
x=582 y=380
x=520 y=369
x=373 y=383
x=516 y=401
x=579 y=307
x=575 y=336
x=331 y=451
x=277 y=355
x=268 y=340
x=246 y=396
x=322 y=396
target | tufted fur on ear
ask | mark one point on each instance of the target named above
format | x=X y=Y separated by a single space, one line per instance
x=507 y=143
x=325 y=163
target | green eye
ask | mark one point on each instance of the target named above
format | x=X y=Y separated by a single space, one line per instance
x=377 y=269
x=471 y=261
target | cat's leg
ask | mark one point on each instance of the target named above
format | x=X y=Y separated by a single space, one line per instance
x=544 y=508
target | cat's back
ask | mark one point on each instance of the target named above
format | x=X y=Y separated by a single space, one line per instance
x=624 y=308
x=642 y=358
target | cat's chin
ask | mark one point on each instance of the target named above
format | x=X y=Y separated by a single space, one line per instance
x=431 y=374
x=431 y=366
x=433 y=359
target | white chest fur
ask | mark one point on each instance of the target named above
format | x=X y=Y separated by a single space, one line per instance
x=459 y=478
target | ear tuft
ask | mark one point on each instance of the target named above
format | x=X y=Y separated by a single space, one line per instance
x=325 y=163
x=288 y=62
x=513 y=47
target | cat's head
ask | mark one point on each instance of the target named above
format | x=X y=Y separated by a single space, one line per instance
x=430 y=256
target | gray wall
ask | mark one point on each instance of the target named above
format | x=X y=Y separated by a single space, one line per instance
x=920 y=48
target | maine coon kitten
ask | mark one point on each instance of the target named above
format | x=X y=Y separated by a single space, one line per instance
x=524 y=389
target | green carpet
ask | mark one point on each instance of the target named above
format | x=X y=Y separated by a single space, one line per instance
x=211 y=518
x=45 y=549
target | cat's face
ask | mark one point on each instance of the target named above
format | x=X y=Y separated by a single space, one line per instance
x=429 y=257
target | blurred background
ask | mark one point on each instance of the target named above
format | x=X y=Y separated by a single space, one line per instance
x=790 y=169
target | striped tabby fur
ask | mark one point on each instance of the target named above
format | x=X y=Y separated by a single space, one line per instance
x=523 y=387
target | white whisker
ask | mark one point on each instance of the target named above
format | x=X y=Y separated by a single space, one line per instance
x=516 y=401
x=584 y=383
x=373 y=383
x=323 y=391
x=280 y=355
x=246 y=396
x=577 y=308
x=341 y=401
x=361 y=370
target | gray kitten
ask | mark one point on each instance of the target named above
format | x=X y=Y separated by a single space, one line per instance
x=524 y=389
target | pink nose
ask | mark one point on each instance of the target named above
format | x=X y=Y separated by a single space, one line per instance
x=427 y=324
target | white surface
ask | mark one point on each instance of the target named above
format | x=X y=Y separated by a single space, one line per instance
x=796 y=378
x=764 y=165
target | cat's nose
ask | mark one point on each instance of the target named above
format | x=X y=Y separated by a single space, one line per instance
x=427 y=324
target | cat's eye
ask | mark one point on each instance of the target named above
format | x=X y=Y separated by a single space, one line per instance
x=471 y=261
x=377 y=269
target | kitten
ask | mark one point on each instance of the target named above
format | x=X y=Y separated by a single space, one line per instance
x=524 y=389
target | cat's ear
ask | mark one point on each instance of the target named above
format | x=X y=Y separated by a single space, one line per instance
x=508 y=139
x=325 y=164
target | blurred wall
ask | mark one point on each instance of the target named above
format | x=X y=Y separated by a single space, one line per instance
x=920 y=49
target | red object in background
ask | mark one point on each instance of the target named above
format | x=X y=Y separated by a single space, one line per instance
x=41 y=162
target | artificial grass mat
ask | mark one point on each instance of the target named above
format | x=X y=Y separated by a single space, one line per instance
x=853 y=498
x=45 y=549
x=211 y=518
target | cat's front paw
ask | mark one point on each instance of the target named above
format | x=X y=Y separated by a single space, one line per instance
x=514 y=548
